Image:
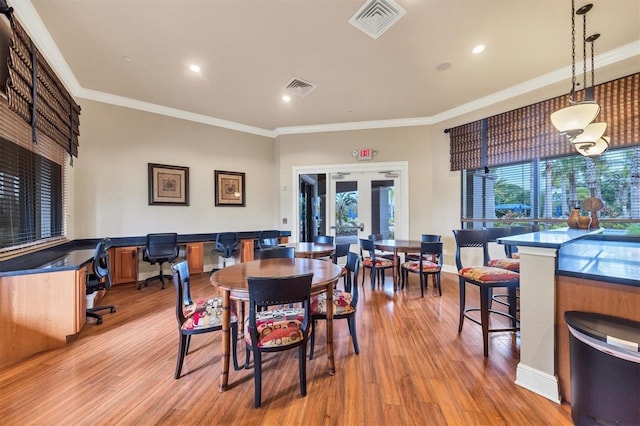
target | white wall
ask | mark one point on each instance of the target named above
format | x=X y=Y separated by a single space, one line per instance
x=110 y=183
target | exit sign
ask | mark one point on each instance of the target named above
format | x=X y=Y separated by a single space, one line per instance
x=365 y=154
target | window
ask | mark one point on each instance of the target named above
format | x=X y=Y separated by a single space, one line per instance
x=546 y=191
x=31 y=197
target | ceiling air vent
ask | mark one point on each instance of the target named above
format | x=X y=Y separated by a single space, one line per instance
x=377 y=16
x=298 y=86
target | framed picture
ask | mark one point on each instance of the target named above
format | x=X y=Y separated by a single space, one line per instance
x=168 y=185
x=229 y=188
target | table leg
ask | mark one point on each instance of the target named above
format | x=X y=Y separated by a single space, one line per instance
x=226 y=339
x=332 y=363
x=395 y=269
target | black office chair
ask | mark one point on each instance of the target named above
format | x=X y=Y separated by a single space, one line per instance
x=160 y=248
x=267 y=239
x=226 y=246
x=278 y=253
x=99 y=279
x=278 y=329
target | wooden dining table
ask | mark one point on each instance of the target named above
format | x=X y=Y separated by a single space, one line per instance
x=312 y=250
x=397 y=246
x=232 y=283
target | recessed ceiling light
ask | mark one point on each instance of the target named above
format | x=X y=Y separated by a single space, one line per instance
x=286 y=98
x=127 y=58
x=479 y=48
x=194 y=68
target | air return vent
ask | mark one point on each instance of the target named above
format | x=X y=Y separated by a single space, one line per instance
x=298 y=86
x=377 y=16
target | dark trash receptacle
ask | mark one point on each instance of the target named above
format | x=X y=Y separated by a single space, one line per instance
x=605 y=369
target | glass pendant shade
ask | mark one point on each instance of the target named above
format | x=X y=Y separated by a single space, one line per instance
x=573 y=119
x=594 y=150
x=592 y=133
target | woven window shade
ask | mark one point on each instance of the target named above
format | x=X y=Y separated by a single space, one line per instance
x=56 y=113
x=527 y=133
x=466 y=146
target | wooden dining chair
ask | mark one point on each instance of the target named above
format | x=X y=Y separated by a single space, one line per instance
x=377 y=265
x=344 y=303
x=275 y=328
x=486 y=278
x=203 y=316
x=424 y=266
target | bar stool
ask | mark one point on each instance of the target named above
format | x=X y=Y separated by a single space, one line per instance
x=485 y=278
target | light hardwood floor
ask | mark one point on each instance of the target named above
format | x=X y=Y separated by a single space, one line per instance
x=413 y=369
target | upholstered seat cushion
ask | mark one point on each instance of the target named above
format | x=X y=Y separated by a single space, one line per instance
x=489 y=275
x=341 y=303
x=427 y=267
x=380 y=263
x=506 y=263
x=277 y=327
x=205 y=314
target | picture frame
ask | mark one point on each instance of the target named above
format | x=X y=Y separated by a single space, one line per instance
x=168 y=185
x=229 y=188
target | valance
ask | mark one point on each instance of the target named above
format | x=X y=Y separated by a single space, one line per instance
x=527 y=133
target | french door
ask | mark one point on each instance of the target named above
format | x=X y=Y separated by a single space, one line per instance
x=352 y=202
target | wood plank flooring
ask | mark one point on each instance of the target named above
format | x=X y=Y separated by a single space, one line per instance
x=413 y=369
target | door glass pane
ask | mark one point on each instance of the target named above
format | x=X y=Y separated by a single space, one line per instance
x=347 y=212
x=383 y=208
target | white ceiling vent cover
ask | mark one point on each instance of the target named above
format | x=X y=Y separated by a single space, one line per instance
x=298 y=86
x=377 y=16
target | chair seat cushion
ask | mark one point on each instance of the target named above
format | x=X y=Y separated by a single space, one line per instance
x=277 y=327
x=341 y=303
x=506 y=263
x=427 y=266
x=205 y=314
x=380 y=263
x=489 y=275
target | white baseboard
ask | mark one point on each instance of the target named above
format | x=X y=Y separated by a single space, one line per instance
x=538 y=382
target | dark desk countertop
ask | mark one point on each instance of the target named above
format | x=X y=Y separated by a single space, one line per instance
x=75 y=254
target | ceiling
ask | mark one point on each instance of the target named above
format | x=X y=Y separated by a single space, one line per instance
x=137 y=53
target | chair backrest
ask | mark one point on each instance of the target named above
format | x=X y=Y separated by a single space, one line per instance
x=471 y=238
x=182 y=283
x=162 y=246
x=520 y=229
x=267 y=239
x=432 y=249
x=494 y=233
x=278 y=253
x=227 y=243
x=341 y=250
x=265 y=292
x=369 y=247
x=431 y=238
x=351 y=277
x=375 y=237
x=324 y=239
x=100 y=279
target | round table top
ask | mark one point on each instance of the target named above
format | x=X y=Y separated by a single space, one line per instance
x=397 y=244
x=234 y=278
x=312 y=250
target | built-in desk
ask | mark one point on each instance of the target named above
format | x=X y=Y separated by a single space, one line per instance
x=567 y=269
x=42 y=294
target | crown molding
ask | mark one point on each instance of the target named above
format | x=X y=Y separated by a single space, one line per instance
x=108 y=98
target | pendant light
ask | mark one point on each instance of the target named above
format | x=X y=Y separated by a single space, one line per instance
x=573 y=119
